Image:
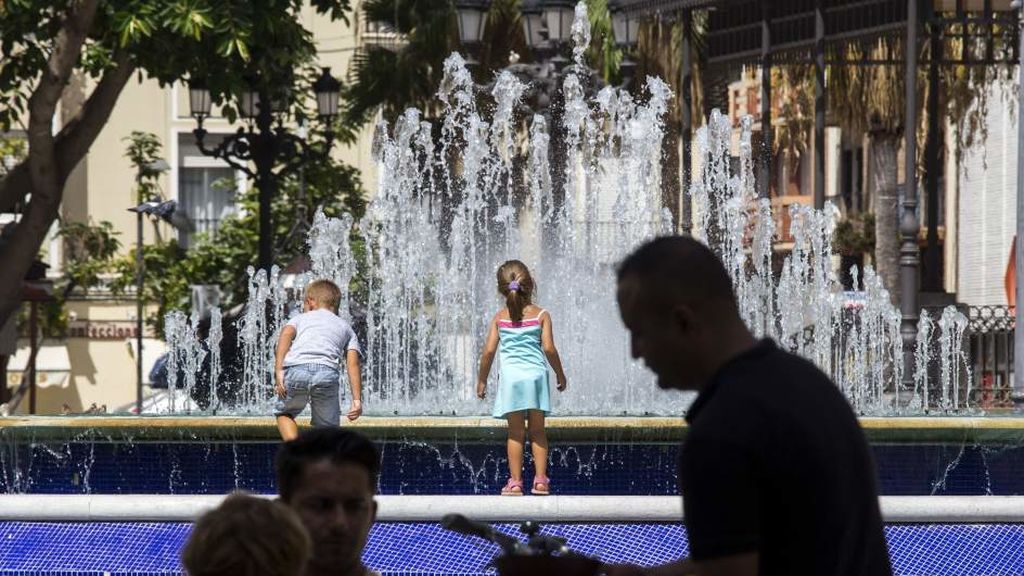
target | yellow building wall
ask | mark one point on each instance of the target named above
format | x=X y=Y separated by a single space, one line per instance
x=102 y=188
x=103 y=371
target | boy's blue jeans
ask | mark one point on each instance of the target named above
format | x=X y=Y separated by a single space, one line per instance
x=314 y=384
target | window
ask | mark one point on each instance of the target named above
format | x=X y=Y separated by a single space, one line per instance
x=206 y=190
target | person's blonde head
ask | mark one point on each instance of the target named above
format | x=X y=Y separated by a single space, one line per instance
x=324 y=294
x=247 y=536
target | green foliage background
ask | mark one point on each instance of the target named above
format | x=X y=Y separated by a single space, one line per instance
x=222 y=259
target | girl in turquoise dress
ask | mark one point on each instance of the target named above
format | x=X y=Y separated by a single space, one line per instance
x=521 y=335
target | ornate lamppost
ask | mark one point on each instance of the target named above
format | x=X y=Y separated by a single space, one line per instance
x=259 y=146
x=625 y=28
x=472 y=15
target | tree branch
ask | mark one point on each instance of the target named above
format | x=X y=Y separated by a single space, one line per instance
x=43 y=103
x=18 y=253
x=76 y=137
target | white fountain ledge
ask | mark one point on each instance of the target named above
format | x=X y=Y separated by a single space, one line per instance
x=603 y=509
x=996 y=429
x=365 y=422
x=477 y=422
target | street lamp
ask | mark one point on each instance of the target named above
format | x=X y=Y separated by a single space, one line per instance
x=558 y=17
x=249 y=100
x=256 y=148
x=326 y=88
x=471 y=15
x=163 y=209
x=625 y=26
x=199 y=100
x=547 y=25
x=533 y=24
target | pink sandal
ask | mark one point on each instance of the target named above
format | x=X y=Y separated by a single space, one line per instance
x=512 y=488
x=541 y=486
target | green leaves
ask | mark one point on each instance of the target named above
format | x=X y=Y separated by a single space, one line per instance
x=218 y=41
x=222 y=259
x=144 y=152
x=132 y=27
x=188 y=17
x=88 y=250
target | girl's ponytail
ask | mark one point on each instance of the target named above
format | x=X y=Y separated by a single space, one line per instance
x=515 y=304
x=516 y=284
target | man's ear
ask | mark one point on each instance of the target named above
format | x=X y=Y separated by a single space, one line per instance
x=683 y=318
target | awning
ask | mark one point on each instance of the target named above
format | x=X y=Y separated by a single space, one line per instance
x=53 y=366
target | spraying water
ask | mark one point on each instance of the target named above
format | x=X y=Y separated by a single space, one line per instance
x=448 y=212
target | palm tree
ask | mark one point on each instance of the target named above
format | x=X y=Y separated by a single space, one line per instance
x=869 y=100
x=659 y=53
x=393 y=77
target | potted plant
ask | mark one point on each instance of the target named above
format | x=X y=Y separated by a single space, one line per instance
x=853 y=238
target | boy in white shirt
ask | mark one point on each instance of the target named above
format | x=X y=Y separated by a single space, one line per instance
x=308 y=360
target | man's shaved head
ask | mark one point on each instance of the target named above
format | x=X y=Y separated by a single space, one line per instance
x=679 y=269
x=677 y=301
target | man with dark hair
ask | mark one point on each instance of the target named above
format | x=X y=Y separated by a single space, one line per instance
x=329 y=477
x=776 y=475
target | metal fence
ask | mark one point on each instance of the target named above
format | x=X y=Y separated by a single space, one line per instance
x=991 y=348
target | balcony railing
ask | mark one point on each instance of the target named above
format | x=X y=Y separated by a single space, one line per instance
x=991 y=330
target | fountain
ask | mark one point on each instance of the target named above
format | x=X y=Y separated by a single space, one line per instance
x=571 y=195
x=446 y=213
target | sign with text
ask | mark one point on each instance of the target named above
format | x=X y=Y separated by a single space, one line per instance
x=101 y=330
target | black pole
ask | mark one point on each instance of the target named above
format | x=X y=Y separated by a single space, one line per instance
x=766 y=99
x=819 y=106
x=933 y=259
x=33 y=342
x=909 y=225
x=263 y=157
x=686 y=214
x=140 y=271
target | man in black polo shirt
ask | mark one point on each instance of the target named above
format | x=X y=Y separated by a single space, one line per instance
x=776 y=475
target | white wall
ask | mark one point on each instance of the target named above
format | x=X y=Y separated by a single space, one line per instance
x=987 y=206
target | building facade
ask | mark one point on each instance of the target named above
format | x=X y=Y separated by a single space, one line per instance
x=93 y=369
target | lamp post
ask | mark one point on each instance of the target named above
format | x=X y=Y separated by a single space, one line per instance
x=471 y=16
x=144 y=206
x=625 y=28
x=258 y=146
x=547 y=25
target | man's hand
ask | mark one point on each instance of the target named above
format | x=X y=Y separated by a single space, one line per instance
x=562 y=383
x=279 y=388
x=481 y=389
x=356 y=410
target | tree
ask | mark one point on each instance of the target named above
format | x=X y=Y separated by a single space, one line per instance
x=870 y=100
x=659 y=53
x=391 y=78
x=89 y=250
x=222 y=258
x=43 y=43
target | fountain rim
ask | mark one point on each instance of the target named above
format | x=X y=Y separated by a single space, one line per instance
x=981 y=429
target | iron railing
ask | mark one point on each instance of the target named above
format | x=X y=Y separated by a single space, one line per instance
x=991 y=331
